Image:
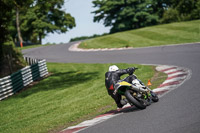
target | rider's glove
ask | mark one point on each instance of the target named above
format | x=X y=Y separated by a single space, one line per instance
x=130 y=70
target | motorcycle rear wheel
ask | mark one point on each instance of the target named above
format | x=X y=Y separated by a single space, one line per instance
x=137 y=103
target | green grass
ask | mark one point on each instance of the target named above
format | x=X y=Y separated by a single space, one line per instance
x=33 y=46
x=73 y=93
x=166 y=34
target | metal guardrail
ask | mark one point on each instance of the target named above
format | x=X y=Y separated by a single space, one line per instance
x=15 y=82
x=31 y=61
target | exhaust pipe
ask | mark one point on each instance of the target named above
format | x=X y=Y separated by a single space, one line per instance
x=135 y=88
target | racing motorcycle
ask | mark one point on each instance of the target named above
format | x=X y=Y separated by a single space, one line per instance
x=136 y=92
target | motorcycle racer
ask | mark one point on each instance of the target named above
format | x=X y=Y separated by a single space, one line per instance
x=112 y=77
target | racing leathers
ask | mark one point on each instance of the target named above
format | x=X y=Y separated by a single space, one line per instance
x=111 y=78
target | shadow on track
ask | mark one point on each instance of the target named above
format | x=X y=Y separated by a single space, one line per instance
x=123 y=110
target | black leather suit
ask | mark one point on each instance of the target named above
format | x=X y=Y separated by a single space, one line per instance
x=111 y=78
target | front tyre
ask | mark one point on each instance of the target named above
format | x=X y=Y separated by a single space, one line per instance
x=154 y=97
x=139 y=104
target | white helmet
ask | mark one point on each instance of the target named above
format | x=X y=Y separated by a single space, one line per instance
x=113 y=68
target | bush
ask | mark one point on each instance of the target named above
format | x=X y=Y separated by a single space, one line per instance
x=11 y=60
x=170 y=15
x=86 y=37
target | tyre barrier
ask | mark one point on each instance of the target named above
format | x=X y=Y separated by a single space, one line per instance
x=15 y=82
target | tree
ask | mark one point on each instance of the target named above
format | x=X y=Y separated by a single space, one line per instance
x=10 y=58
x=39 y=17
x=34 y=19
x=45 y=17
x=170 y=15
x=19 y=4
x=125 y=14
x=131 y=14
x=181 y=10
x=18 y=27
x=4 y=20
x=159 y=6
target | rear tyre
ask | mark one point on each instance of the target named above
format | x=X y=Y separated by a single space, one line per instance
x=139 y=104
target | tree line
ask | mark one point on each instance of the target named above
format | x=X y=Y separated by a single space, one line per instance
x=123 y=15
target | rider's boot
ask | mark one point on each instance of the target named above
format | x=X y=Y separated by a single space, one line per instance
x=124 y=101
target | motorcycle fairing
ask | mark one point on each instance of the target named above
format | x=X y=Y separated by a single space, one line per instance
x=122 y=86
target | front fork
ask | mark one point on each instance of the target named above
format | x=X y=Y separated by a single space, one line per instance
x=146 y=94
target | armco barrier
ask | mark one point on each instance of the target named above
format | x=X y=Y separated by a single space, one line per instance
x=15 y=82
x=31 y=61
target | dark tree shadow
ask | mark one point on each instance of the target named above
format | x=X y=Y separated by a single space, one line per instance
x=59 y=81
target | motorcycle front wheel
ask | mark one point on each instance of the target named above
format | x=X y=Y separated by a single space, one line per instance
x=138 y=103
x=154 y=96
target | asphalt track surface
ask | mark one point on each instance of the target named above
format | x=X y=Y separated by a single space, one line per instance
x=176 y=112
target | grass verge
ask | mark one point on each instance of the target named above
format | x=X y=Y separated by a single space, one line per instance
x=73 y=93
x=166 y=34
x=33 y=46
